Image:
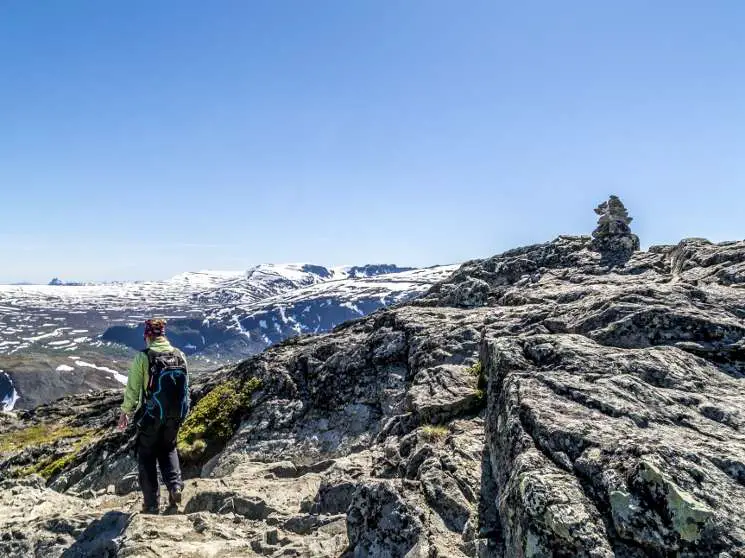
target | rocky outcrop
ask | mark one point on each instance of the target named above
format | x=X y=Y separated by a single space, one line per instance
x=543 y=402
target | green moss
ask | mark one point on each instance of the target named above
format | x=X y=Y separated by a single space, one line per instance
x=37 y=435
x=213 y=419
x=433 y=433
x=192 y=452
x=57 y=465
x=51 y=466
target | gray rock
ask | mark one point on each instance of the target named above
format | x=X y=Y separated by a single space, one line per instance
x=127 y=484
x=228 y=502
x=334 y=497
x=470 y=293
x=444 y=495
x=381 y=524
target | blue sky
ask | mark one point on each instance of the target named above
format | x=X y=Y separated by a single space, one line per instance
x=144 y=138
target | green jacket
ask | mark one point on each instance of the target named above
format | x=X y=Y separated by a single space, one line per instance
x=138 y=374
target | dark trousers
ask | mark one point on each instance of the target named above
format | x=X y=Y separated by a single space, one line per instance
x=156 y=445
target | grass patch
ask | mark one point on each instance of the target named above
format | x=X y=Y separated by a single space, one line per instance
x=477 y=370
x=213 y=420
x=434 y=433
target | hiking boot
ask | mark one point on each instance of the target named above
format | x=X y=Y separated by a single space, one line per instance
x=174 y=497
x=150 y=510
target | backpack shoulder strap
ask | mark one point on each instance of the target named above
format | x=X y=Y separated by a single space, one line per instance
x=149 y=356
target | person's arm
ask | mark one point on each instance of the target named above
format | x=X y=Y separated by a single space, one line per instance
x=133 y=390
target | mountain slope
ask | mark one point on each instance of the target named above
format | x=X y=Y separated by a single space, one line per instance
x=549 y=401
x=322 y=307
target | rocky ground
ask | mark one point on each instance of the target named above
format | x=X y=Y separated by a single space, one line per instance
x=549 y=401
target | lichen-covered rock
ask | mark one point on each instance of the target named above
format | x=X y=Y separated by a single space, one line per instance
x=656 y=500
x=612 y=436
x=470 y=293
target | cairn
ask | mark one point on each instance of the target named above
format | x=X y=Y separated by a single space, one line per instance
x=613 y=237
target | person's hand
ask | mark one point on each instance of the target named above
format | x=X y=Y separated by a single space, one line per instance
x=123 y=422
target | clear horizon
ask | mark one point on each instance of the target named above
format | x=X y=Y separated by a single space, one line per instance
x=644 y=247
x=147 y=139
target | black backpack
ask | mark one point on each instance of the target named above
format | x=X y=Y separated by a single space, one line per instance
x=167 y=390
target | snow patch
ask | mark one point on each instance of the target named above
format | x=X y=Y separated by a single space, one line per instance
x=353 y=307
x=54 y=333
x=119 y=377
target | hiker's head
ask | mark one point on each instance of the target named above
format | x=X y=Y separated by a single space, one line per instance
x=154 y=328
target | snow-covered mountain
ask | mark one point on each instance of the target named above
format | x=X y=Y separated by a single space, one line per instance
x=245 y=323
x=323 y=306
x=65 y=316
x=214 y=316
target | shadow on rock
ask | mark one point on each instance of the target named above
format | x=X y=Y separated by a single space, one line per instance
x=489 y=525
x=490 y=541
x=101 y=539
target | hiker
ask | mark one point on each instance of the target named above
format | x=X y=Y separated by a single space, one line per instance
x=157 y=400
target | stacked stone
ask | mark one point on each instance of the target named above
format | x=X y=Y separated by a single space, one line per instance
x=613 y=237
